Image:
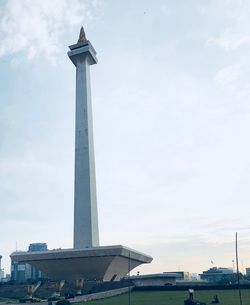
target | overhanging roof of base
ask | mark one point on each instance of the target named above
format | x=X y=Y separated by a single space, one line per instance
x=99 y=263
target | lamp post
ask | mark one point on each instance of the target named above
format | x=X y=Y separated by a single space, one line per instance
x=237 y=266
x=129 y=292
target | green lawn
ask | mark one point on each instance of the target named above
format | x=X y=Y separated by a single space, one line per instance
x=8 y=301
x=226 y=297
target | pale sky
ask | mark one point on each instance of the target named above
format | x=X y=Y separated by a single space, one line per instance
x=171 y=111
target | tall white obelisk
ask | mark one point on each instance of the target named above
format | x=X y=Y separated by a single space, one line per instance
x=86 y=232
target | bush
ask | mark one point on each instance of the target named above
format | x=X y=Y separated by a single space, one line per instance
x=35 y=300
x=63 y=302
x=54 y=298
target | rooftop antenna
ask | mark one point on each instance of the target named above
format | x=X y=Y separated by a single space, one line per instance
x=129 y=288
x=237 y=267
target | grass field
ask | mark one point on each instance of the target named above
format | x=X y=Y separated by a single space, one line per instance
x=8 y=301
x=226 y=297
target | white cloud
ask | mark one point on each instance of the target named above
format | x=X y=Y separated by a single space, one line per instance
x=227 y=75
x=234 y=33
x=230 y=41
x=34 y=26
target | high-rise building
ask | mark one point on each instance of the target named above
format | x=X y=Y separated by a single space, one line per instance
x=22 y=272
x=37 y=247
x=1 y=270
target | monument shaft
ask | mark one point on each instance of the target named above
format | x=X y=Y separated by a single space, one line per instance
x=86 y=233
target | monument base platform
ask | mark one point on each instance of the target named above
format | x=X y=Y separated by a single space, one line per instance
x=105 y=263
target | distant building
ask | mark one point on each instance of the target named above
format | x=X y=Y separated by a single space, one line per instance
x=6 y=278
x=191 y=282
x=1 y=274
x=194 y=277
x=38 y=247
x=18 y=272
x=157 y=279
x=183 y=275
x=218 y=274
x=1 y=270
x=187 y=278
x=248 y=272
x=22 y=272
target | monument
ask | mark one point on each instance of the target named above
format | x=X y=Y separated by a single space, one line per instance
x=86 y=232
x=86 y=260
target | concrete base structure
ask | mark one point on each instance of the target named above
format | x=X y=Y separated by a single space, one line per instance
x=99 y=263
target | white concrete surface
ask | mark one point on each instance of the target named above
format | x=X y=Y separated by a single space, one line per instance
x=99 y=263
